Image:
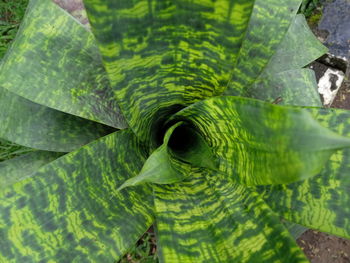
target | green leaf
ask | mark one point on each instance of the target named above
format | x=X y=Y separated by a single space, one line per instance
x=208 y=218
x=294 y=229
x=289 y=54
x=261 y=143
x=54 y=62
x=36 y=126
x=292 y=87
x=9 y=150
x=321 y=202
x=268 y=25
x=182 y=148
x=158 y=168
x=71 y=211
x=19 y=168
x=164 y=55
x=283 y=78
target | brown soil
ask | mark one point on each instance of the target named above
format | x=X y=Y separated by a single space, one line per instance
x=323 y=248
x=342 y=100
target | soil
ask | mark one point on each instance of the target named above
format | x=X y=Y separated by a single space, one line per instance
x=322 y=248
x=342 y=100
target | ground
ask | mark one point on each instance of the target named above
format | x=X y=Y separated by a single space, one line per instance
x=323 y=248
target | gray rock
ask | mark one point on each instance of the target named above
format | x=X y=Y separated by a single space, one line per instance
x=336 y=21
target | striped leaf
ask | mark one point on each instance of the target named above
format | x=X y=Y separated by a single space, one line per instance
x=70 y=210
x=283 y=79
x=159 y=168
x=36 y=126
x=163 y=55
x=162 y=58
x=208 y=218
x=292 y=87
x=259 y=143
x=54 y=62
x=268 y=25
x=19 y=168
x=321 y=202
x=182 y=148
x=288 y=55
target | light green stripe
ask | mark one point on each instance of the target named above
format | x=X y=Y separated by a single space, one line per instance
x=321 y=202
x=36 y=126
x=164 y=55
x=19 y=168
x=54 y=61
x=268 y=25
x=260 y=143
x=70 y=210
x=208 y=218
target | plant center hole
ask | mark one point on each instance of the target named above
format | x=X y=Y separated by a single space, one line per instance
x=158 y=126
x=183 y=140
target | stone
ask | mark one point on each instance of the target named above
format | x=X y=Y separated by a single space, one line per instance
x=336 y=21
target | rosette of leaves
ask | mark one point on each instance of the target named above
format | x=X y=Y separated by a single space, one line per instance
x=164 y=113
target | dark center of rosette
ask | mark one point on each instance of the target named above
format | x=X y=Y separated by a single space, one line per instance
x=161 y=124
x=183 y=139
x=180 y=147
x=189 y=146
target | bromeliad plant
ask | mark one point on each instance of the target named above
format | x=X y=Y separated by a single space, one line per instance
x=146 y=120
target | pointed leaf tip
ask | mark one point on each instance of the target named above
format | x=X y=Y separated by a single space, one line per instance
x=182 y=149
x=259 y=143
x=158 y=168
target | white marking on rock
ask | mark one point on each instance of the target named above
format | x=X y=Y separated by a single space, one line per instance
x=329 y=84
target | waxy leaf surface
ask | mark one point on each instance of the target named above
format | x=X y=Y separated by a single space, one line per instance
x=70 y=210
x=164 y=55
x=54 y=62
x=208 y=218
x=261 y=143
x=23 y=166
x=268 y=25
x=36 y=126
x=321 y=202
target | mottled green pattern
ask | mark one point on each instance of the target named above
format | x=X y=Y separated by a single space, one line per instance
x=171 y=163
x=164 y=55
x=268 y=25
x=70 y=210
x=283 y=79
x=292 y=87
x=36 y=126
x=321 y=202
x=208 y=218
x=288 y=55
x=19 y=168
x=159 y=168
x=54 y=62
x=261 y=143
